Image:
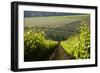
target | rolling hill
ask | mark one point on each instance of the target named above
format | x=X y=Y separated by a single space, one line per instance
x=56 y=27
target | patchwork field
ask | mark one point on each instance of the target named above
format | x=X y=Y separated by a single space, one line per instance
x=56 y=26
x=55 y=21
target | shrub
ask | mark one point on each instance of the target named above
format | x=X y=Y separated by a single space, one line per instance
x=36 y=47
x=78 y=46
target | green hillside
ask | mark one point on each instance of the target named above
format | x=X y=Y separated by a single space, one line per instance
x=56 y=27
x=53 y=21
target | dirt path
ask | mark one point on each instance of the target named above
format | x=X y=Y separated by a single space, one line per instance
x=59 y=53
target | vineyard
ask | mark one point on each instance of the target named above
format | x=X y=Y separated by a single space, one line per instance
x=78 y=46
x=57 y=42
x=37 y=47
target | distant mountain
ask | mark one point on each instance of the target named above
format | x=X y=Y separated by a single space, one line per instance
x=39 y=13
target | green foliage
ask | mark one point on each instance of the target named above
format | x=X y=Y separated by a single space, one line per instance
x=36 y=46
x=78 y=46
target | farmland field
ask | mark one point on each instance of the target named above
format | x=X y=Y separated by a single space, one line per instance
x=57 y=37
x=65 y=25
x=55 y=21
